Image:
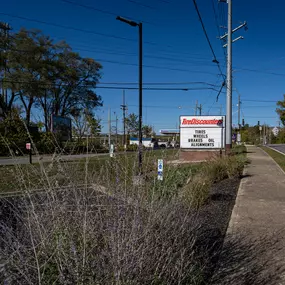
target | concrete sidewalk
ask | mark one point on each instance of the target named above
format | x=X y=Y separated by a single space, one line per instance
x=254 y=247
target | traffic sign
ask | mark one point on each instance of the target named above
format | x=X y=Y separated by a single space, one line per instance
x=28 y=146
x=160 y=169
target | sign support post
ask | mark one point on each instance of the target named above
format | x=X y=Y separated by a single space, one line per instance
x=28 y=147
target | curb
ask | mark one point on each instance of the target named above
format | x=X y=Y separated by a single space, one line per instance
x=234 y=215
x=272 y=157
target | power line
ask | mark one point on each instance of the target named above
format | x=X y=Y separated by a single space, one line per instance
x=259 y=106
x=160 y=83
x=260 y=117
x=260 y=71
x=141 y=4
x=109 y=87
x=249 y=100
x=218 y=29
x=165 y=51
x=207 y=37
x=72 y=28
x=194 y=60
x=155 y=67
x=100 y=10
x=199 y=63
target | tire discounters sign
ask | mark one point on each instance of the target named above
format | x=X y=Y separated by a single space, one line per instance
x=202 y=132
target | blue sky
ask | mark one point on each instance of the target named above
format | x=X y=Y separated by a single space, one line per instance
x=175 y=51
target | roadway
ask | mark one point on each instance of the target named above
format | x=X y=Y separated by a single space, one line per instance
x=47 y=158
x=278 y=147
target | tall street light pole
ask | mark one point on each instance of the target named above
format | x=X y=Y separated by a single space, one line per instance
x=135 y=24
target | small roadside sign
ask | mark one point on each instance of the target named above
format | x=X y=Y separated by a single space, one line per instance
x=28 y=146
x=260 y=128
x=111 y=150
x=160 y=169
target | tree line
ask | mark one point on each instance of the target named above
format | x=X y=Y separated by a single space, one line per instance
x=41 y=74
x=40 y=78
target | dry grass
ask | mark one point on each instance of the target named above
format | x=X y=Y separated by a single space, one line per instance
x=99 y=223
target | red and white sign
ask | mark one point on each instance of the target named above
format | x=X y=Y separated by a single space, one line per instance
x=28 y=146
x=202 y=132
x=201 y=121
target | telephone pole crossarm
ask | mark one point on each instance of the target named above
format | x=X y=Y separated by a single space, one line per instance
x=234 y=30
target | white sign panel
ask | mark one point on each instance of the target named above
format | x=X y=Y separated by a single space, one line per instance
x=202 y=132
x=160 y=169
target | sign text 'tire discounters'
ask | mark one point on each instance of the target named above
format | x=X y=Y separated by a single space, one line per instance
x=202 y=132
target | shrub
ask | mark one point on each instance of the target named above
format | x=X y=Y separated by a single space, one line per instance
x=196 y=193
x=98 y=227
x=82 y=236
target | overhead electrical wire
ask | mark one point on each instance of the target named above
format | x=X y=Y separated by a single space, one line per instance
x=259 y=71
x=197 y=62
x=207 y=37
x=73 y=28
x=109 y=87
x=252 y=100
x=218 y=29
x=141 y=4
x=165 y=51
x=160 y=83
x=102 y=11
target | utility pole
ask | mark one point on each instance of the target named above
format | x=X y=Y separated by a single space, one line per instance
x=109 y=123
x=140 y=93
x=264 y=134
x=239 y=136
x=124 y=108
x=229 y=73
x=229 y=81
x=239 y=103
x=116 y=129
x=196 y=108
x=200 y=109
x=5 y=28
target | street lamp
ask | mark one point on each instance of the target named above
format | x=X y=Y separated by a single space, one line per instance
x=135 y=24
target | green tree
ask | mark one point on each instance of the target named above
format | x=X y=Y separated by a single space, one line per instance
x=281 y=110
x=49 y=76
x=86 y=124
x=132 y=124
x=147 y=131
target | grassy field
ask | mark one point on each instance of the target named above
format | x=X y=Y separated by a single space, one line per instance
x=83 y=171
x=278 y=157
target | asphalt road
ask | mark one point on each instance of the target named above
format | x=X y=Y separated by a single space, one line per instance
x=36 y=159
x=279 y=147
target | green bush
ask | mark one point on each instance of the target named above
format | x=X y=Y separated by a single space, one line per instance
x=14 y=135
x=132 y=147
